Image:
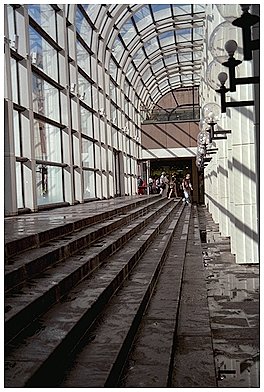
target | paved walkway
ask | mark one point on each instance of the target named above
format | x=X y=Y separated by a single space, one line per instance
x=233 y=299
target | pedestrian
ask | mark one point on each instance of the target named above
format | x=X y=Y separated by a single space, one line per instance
x=150 y=183
x=163 y=184
x=187 y=188
x=140 y=185
x=172 y=186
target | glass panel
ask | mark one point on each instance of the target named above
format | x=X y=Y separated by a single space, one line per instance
x=112 y=91
x=181 y=9
x=113 y=69
x=117 y=49
x=16 y=133
x=151 y=46
x=146 y=75
x=92 y=10
x=43 y=55
x=88 y=183
x=83 y=58
x=49 y=184
x=19 y=190
x=183 y=35
x=167 y=38
x=130 y=71
x=45 y=98
x=87 y=153
x=47 y=142
x=139 y=57
x=172 y=59
x=45 y=16
x=86 y=122
x=157 y=65
x=161 y=11
x=198 y=33
x=198 y=7
x=128 y=31
x=185 y=57
x=83 y=27
x=143 y=18
x=85 y=90
x=14 y=80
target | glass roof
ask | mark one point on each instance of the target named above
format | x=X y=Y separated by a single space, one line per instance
x=158 y=46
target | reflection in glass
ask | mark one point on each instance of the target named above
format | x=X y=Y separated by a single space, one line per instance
x=47 y=142
x=83 y=58
x=45 y=98
x=86 y=122
x=83 y=27
x=20 y=201
x=87 y=153
x=49 y=184
x=45 y=16
x=88 y=183
x=16 y=126
x=43 y=55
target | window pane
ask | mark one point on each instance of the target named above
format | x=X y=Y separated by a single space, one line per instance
x=49 y=184
x=86 y=122
x=87 y=153
x=161 y=11
x=16 y=133
x=128 y=32
x=45 y=98
x=43 y=55
x=83 y=59
x=14 y=80
x=44 y=15
x=85 y=90
x=20 y=202
x=89 y=187
x=83 y=27
x=47 y=142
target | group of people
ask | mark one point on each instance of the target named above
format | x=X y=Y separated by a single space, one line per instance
x=168 y=186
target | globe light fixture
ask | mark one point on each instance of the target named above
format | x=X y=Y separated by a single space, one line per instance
x=224 y=32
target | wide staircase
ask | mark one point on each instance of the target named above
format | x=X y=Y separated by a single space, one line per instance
x=92 y=299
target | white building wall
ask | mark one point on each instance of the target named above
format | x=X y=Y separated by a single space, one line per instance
x=230 y=177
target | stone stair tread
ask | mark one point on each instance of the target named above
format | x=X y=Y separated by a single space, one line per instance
x=19 y=271
x=45 y=229
x=62 y=317
x=52 y=277
x=114 y=330
x=57 y=243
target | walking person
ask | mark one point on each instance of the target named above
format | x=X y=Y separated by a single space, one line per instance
x=187 y=188
x=172 y=186
x=163 y=184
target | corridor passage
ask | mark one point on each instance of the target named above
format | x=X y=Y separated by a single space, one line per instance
x=137 y=291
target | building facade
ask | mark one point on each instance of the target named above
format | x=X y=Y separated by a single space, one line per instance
x=82 y=83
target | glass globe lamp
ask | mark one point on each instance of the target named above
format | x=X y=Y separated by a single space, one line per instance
x=211 y=112
x=224 y=32
x=229 y=12
x=212 y=72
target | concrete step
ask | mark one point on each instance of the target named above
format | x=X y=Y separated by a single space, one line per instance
x=38 y=294
x=30 y=263
x=114 y=332
x=149 y=363
x=44 y=230
x=31 y=360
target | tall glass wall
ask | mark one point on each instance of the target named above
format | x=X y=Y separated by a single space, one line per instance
x=67 y=114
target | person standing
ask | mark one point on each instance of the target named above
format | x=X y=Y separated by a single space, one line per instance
x=163 y=184
x=187 y=188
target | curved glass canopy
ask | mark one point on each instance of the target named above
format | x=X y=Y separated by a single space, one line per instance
x=156 y=48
